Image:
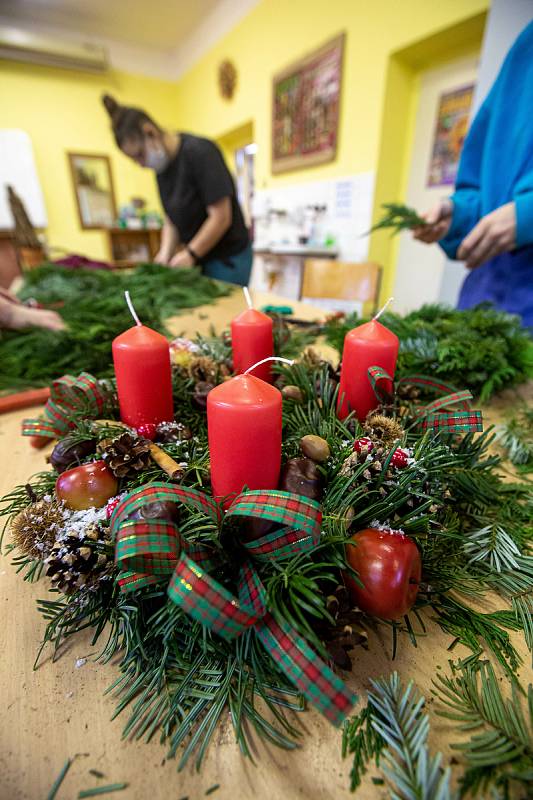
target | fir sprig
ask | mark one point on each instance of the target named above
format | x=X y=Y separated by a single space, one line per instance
x=500 y=748
x=399 y=217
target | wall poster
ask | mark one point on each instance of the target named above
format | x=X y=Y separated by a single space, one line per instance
x=305 y=109
x=450 y=132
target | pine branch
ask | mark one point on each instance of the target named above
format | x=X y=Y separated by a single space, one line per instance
x=516 y=437
x=399 y=217
x=500 y=752
x=361 y=739
x=397 y=716
x=492 y=545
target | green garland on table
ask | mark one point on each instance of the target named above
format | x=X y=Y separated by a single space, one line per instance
x=92 y=304
x=481 y=349
x=178 y=677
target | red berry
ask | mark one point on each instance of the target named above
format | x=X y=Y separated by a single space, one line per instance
x=148 y=430
x=111 y=505
x=400 y=458
x=364 y=443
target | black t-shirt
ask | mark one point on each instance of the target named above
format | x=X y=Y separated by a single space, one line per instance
x=198 y=177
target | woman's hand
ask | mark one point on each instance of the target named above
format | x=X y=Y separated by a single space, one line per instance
x=494 y=234
x=438 y=219
x=182 y=259
x=162 y=258
x=16 y=317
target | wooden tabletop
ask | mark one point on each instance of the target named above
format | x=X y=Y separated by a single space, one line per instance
x=59 y=710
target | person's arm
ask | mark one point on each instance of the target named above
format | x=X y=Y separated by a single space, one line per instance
x=15 y=316
x=169 y=241
x=219 y=217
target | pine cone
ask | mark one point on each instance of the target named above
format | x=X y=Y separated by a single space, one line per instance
x=348 y=631
x=126 y=455
x=355 y=459
x=75 y=563
x=204 y=368
x=172 y=433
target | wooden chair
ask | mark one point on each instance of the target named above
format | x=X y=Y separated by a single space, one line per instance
x=340 y=280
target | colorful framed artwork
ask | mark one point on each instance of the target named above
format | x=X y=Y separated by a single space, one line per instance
x=450 y=132
x=93 y=188
x=305 y=109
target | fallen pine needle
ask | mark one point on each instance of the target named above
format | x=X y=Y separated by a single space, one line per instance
x=59 y=780
x=213 y=788
x=112 y=787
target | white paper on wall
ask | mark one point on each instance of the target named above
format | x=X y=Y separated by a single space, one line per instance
x=18 y=169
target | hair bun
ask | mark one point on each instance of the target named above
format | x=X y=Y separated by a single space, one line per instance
x=111 y=105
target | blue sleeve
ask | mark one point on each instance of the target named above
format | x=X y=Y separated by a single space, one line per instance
x=466 y=198
x=523 y=199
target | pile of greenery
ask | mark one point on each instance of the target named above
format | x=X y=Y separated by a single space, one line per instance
x=481 y=349
x=92 y=304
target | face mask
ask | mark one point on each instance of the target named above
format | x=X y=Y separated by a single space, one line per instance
x=156 y=158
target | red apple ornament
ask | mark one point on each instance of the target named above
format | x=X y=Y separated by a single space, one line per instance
x=87 y=486
x=389 y=567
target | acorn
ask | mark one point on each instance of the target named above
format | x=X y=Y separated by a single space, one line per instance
x=315 y=447
x=70 y=452
x=294 y=393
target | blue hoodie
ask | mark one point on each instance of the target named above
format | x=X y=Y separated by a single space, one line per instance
x=496 y=167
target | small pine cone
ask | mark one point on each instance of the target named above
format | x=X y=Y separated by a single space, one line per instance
x=204 y=368
x=172 y=433
x=408 y=392
x=346 y=633
x=74 y=563
x=126 y=455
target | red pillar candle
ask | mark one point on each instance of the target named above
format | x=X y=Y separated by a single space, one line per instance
x=244 y=430
x=368 y=345
x=252 y=340
x=144 y=381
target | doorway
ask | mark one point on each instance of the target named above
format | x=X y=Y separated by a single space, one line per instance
x=239 y=149
x=420 y=268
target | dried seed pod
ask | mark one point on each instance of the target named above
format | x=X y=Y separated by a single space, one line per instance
x=70 y=452
x=315 y=448
x=301 y=476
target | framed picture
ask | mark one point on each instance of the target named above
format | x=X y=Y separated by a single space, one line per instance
x=93 y=187
x=305 y=109
x=450 y=131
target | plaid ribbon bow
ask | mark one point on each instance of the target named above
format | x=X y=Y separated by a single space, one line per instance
x=153 y=551
x=433 y=416
x=67 y=395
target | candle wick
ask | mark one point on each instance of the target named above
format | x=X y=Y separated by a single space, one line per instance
x=389 y=301
x=264 y=361
x=132 y=309
x=247 y=297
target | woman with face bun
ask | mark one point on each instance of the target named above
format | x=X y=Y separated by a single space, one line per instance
x=204 y=224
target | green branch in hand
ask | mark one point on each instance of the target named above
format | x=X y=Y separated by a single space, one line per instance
x=399 y=217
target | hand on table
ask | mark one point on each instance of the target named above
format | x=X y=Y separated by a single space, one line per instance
x=438 y=220
x=15 y=316
x=182 y=259
x=494 y=234
x=162 y=258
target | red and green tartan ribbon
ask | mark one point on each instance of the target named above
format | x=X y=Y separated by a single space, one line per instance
x=433 y=416
x=68 y=395
x=154 y=551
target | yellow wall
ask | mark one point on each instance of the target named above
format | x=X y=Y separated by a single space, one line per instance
x=61 y=111
x=379 y=87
